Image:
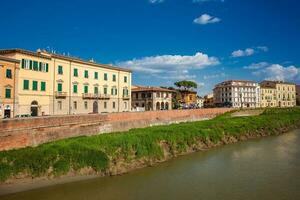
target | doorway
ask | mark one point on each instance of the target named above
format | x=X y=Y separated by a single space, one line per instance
x=34 y=109
x=7 y=112
x=95 y=107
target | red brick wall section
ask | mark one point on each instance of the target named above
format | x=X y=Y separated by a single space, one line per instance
x=18 y=133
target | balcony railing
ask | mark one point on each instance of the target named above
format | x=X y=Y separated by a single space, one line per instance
x=60 y=94
x=126 y=96
x=95 y=96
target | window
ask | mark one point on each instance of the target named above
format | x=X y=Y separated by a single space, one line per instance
x=8 y=73
x=114 y=91
x=105 y=90
x=25 y=64
x=75 y=89
x=86 y=89
x=86 y=74
x=26 y=84
x=59 y=87
x=75 y=105
x=43 y=86
x=75 y=72
x=35 y=66
x=125 y=79
x=34 y=85
x=114 y=105
x=105 y=105
x=105 y=76
x=114 y=78
x=96 y=75
x=60 y=69
x=59 y=105
x=7 y=93
x=96 y=90
x=86 y=105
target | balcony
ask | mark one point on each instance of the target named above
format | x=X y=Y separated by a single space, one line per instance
x=95 y=96
x=127 y=97
x=60 y=95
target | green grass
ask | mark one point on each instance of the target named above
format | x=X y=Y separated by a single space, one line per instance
x=97 y=152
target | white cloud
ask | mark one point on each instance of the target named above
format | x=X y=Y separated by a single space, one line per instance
x=156 y=1
x=257 y=65
x=214 y=76
x=170 y=66
x=279 y=72
x=242 y=53
x=249 y=51
x=263 y=48
x=206 y=19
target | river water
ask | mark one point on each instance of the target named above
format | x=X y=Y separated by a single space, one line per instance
x=267 y=168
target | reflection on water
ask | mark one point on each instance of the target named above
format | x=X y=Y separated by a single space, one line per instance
x=266 y=169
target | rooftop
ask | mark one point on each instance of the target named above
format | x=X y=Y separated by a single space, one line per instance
x=149 y=89
x=275 y=82
x=48 y=55
x=3 y=58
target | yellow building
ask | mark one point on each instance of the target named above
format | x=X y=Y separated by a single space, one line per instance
x=268 y=97
x=285 y=93
x=52 y=84
x=187 y=98
x=8 y=73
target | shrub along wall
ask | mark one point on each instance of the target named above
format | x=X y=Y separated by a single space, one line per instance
x=18 y=133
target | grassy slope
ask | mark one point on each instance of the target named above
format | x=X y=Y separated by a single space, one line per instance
x=97 y=152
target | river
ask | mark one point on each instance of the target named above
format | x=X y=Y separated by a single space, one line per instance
x=267 y=168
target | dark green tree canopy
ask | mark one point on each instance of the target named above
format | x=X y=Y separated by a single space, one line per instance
x=186 y=85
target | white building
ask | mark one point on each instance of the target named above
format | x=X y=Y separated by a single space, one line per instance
x=237 y=94
x=200 y=102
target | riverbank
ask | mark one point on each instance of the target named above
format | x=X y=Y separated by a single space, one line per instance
x=118 y=153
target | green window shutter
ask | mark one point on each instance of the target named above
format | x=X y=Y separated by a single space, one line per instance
x=96 y=90
x=75 y=89
x=105 y=77
x=125 y=79
x=35 y=66
x=26 y=84
x=34 y=85
x=116 y=91
x=112 y=91
x=30 y=64
x=59 y=87
x=60 y=69
x=114 y=78
x=43 y=86
x=86 y=74
x=47 y=67
x=86 y=89
x=40 y=66
x=8 y=73
x=75 y=72
x=23 y=63
x=105 y=90
x=7 y=93
x=96 y=75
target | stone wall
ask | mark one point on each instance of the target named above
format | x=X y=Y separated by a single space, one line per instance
x=18 y=133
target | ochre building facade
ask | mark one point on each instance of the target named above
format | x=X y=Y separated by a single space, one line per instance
x=8 y=73
x=53 y=84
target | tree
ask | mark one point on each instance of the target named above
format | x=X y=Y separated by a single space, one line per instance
x=186 y=85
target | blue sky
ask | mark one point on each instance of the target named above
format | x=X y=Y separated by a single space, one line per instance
x=163 y=41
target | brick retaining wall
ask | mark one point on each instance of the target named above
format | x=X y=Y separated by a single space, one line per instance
x=18 y=133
